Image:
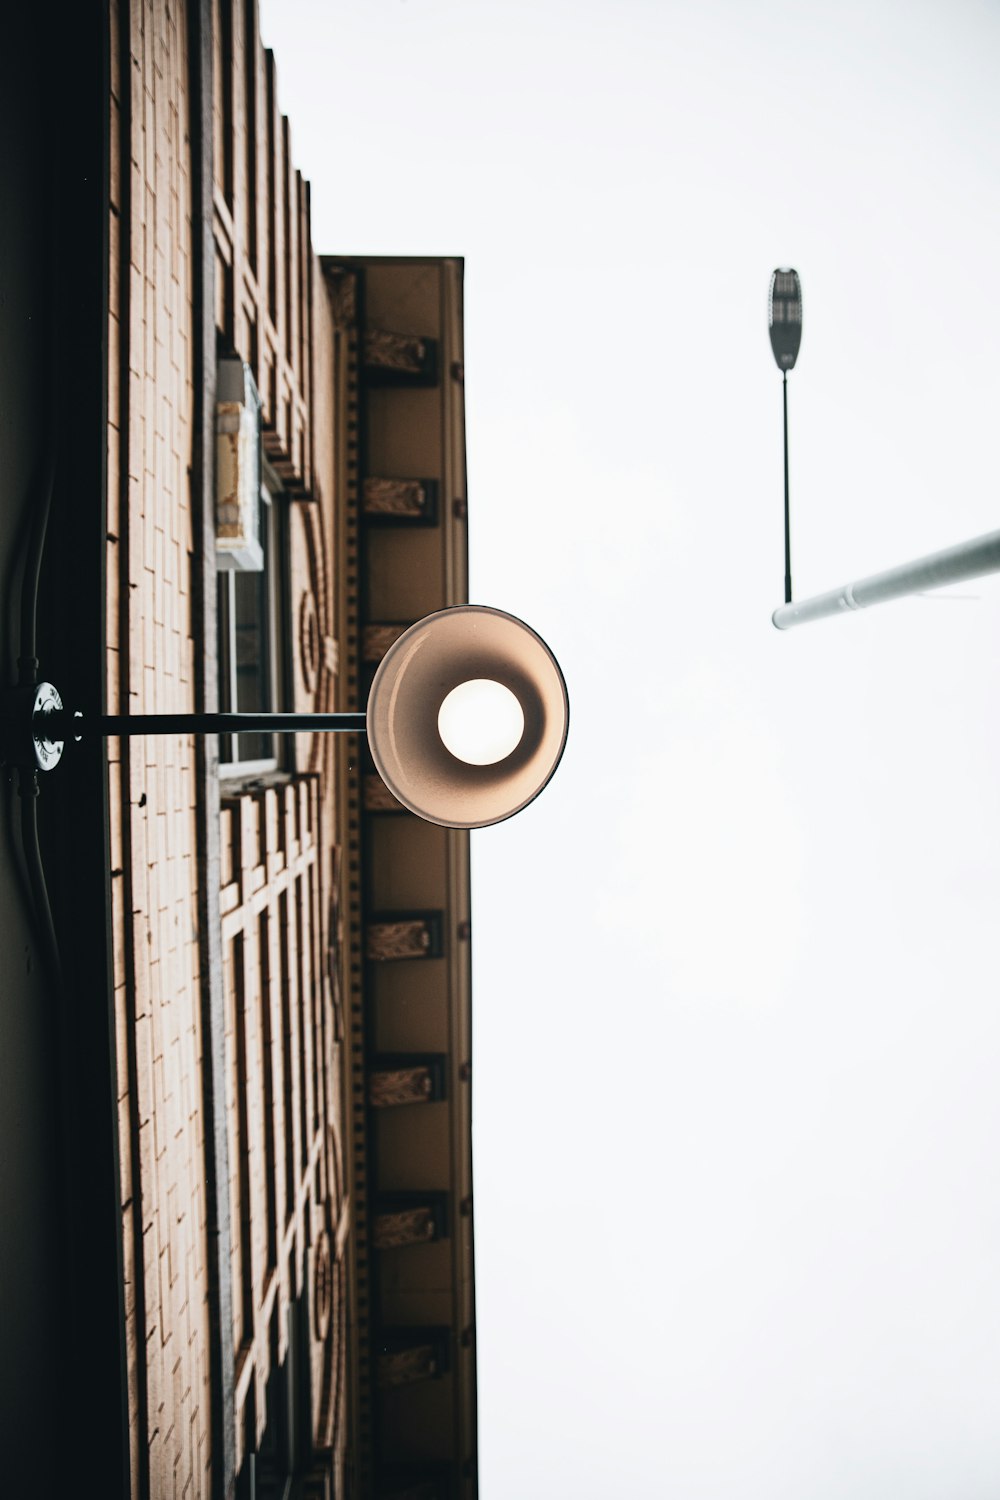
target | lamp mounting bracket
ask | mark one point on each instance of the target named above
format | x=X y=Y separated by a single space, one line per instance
x=23 y=742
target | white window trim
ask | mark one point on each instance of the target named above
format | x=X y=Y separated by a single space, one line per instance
x=244 y=770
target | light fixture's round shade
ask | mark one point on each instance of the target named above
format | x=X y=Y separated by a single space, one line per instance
x=784 y=316
x=415 y=676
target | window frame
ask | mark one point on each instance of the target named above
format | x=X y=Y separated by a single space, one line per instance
x=273 y=531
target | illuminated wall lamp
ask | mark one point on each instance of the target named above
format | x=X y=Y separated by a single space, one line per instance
x=466 y=721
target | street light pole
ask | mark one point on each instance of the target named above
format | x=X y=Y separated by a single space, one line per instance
x=969 y=559
x=788 y=534
x=784 y=323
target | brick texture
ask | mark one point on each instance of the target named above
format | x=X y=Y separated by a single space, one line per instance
x=150 y=668
x=286 y=1191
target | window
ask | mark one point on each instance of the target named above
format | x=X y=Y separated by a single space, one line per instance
x=251 y=644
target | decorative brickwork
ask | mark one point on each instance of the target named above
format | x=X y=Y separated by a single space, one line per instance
x=287 y=1186
x=286 y=1169
x=152 y=787
x=358 y=1364
x=264 y=259
x=251 y=956
x=413 y=1435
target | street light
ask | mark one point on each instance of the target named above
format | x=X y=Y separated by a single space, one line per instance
x=970 y=559
x=466 y=721
x=784 y=322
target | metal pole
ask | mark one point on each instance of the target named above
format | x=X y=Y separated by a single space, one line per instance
x=62 y=724
x=788 y=534
x=968 y=560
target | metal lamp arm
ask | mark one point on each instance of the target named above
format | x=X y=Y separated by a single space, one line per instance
x=63 y=724
x=953 y=565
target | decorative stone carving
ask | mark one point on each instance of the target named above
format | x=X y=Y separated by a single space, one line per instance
x=378 y=797
x=404 y=1366
x=309 y=640
x=408 y=1226
x=392 y=1086
x=405 y=357
x=397 y=500
x=343 y=287
x=322 y=1298
x=405 y=937
x=376 y=640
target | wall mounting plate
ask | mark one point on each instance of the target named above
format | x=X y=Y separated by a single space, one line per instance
x=23 y=742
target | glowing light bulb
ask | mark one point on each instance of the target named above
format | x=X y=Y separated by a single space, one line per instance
x=481 y=722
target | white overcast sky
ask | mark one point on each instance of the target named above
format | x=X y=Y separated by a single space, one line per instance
x=737 y=1032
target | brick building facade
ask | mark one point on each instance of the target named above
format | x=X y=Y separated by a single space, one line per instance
x=230 y=1023
x=221 y=883
x=279 y=951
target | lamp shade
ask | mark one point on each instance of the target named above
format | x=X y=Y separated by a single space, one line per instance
x=465 y=644
x=784 y=316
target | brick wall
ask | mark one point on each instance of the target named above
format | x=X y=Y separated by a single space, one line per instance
x=152 y=786
x=288 y=1235
x=288 y=1207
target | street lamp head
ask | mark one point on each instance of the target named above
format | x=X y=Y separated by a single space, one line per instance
x=467 y=717
x=784 y=317
x=466 y=720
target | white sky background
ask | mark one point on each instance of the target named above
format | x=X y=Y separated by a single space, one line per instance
x=737 y=1030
